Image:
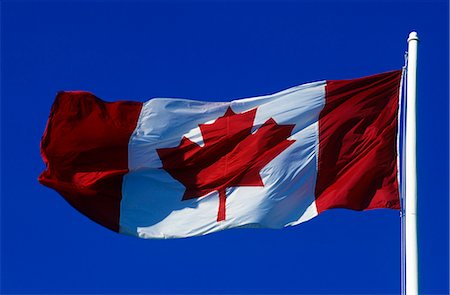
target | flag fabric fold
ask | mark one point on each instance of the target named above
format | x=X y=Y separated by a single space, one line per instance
x=171 y=168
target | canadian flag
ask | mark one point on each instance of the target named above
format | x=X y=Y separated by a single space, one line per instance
x=171 y=168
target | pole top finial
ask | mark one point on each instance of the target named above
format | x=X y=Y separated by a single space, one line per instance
x=413 y=36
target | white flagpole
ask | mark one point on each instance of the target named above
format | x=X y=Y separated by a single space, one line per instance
x=412 y=285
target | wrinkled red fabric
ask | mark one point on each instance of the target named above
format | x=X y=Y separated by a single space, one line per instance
x=85 y=149
x=357 y=164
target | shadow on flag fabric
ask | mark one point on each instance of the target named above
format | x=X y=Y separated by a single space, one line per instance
x=172 y=168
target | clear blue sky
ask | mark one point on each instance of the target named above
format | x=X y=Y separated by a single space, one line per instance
x=212 y=51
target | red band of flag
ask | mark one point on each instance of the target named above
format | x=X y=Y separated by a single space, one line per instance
x=85 y=148
x=357 y=167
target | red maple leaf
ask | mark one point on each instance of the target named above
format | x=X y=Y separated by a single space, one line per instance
x=231 y=156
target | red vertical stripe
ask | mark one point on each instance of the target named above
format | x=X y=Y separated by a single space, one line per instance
x=222 y=205
x=85 y=149
x=357 y=166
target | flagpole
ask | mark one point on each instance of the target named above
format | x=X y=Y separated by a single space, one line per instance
x=412 y=285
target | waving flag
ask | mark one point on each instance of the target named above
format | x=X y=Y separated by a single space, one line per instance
x=172 y=168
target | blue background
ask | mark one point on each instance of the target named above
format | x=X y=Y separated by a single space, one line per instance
x=212 y=51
